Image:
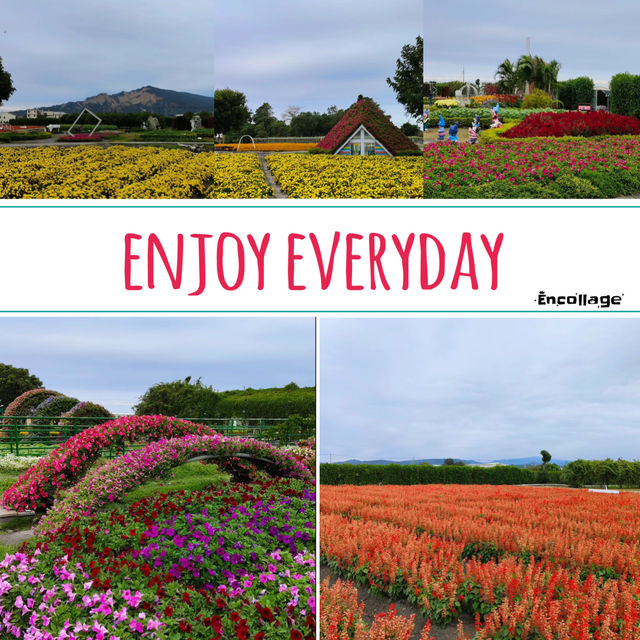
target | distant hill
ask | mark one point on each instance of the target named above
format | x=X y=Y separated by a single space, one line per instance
x=421 y=461
x=517 y=462
x=531 y=461
x=161 y=101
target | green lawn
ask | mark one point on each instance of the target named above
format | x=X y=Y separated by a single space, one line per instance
x=193 y=476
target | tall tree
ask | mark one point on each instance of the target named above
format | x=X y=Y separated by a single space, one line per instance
x=6 y=84
x=230 y=110
x=507 y=76
x=180 y=398
x=14 y=382
x=290 y=113
x=408 y=78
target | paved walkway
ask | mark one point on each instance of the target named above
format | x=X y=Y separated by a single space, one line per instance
x=4 y=513
x=268 y=176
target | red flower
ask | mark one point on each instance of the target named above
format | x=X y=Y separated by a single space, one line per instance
x=168 y=612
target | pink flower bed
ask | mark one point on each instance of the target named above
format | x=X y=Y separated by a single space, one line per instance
x=67 y=463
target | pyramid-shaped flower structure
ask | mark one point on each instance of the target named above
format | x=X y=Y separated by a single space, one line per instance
x=367 y=113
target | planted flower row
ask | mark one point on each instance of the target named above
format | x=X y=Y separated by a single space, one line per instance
x=538 y=168
x=68 y=462
x=111 y=481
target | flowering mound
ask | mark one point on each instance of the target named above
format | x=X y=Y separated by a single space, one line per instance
x=367 y=113
x=574 y=123
x=112 y=480
x=234 y=561
x=86 y=410
x=68 y=462
x=24 y=403
x=53 y=407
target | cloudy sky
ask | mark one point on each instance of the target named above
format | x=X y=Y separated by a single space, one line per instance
x=113 y=361
x=72 y=49
x=480 y=388
x=313 y=54
x=588 y=37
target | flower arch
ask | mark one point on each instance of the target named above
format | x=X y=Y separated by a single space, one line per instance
x=111 y=481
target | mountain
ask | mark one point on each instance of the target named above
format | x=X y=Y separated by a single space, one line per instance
x=427 y=460
x=529 y=462
x=516 y=462
x=161 y=101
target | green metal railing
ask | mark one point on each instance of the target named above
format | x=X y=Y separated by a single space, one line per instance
x=37 y=435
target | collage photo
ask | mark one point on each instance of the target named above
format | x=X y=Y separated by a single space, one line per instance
x=385 y=409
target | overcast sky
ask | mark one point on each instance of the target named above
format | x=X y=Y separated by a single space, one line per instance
x=313 y=54
x=113 y=361
x=588 y=37
x=72 y=49
x=479 y=388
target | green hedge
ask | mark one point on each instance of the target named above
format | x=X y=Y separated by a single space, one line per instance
x=267 y=403
x=16 y=136
x=625 y=95
x=428 y=474
x=575 y=92
x=620 y=472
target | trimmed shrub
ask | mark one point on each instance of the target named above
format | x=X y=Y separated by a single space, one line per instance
x=86 y=410
x=28 y=401
x=625 y=94
x=53 y=407
x=537 y=100
x=575 y=92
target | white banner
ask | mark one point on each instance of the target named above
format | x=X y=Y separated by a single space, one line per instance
x=307 y=257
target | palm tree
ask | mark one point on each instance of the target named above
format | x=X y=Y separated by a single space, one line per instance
x=526 y=69
x=507 y=76
x=551 y=76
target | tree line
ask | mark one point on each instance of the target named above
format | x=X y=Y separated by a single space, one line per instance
x=191 y=398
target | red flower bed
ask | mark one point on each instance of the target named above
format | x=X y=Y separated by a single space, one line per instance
x=574 y=123
x=81 y=137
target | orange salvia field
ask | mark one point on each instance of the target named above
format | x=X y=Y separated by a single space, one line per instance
x=537 y=563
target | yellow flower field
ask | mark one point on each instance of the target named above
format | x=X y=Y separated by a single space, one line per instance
x=238 y=176
x=324 y=176
x=152 y=172
x=98 y=172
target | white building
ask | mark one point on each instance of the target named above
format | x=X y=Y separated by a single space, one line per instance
x=6 y=117
x=42 y=113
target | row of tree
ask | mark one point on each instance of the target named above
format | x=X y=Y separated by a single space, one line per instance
x=190 y=399
x=526 y=74
x=234 y=118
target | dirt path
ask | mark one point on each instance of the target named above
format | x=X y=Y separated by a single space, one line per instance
x=374 y=603
x=268 y=176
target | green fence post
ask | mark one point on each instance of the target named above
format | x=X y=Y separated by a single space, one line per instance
x=17 y=432
x=261 y=427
